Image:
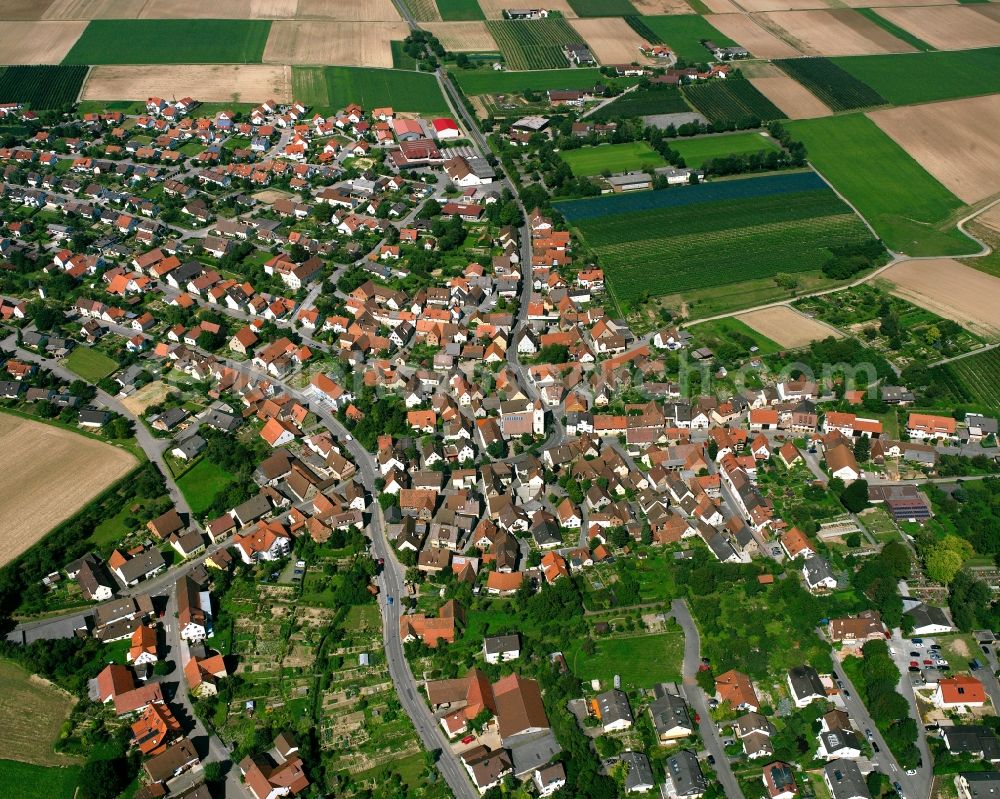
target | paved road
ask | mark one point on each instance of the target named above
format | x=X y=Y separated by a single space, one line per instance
x=696 y=699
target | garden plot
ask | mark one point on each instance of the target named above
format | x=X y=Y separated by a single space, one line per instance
x=959 y=27
x=223 y=83
x=363 y=44
x=788 y=327
x=751 y=35
x=955 y=141
x=38 y=42
x=836 y=32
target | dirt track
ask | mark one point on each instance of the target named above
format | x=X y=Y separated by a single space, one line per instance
x=48 y=475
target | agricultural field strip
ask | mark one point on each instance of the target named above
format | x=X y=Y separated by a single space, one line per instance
x=41 y=87
x=731 y=100
x=831 y=83
x=533 y=44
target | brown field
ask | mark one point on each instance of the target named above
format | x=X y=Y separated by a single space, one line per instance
x=991 y=218
x=367 y=10
x=956 y=141
x=48 y=475
x=949 y=27
x=29 y=736
x=95 y=9
x=751 y=35
x=219 y=9
x=890 y=3
x=214 y=83
x=787 y=327
x=722 y=6
x=783 y=5
x=149 y=394
x=37 y=42
x=838 y=32
x=654 y=7
x=493 y=9
x=611 y=39
x=470 y=37
x=971 y=299
x=360 y=44
x=791 y=97
x=23 y=9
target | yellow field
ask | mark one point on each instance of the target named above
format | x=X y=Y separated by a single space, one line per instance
x=841 y=31
x=360 y=44
x=48 y=475
x=788 y=327
x=752 y=35
x=37 y=42
x=471 y=37
x=31 y=712
x=213 y=83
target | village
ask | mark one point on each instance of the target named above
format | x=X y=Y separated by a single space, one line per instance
x=416 y=487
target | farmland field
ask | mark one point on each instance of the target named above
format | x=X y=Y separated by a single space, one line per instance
x=949 y=27
x=50 y=473
x=836 y=31
x=30 y=738
x=794 y=100
x=910 y=211
x=219 y=83
x=602 y=8
x=533 y=44
x=201 y=483
x=787 y=327
x=761 y=42
x=456 y=10
x=38 y=782
x=588 y=161
x=475 y=82
x=683 y=33
x=975 y=379
x=831 y=83
x=359 y=44
x=640 y=661
x=335 y=87
x=644 y=102
x=38 y=42
x=674 y=240
x=423 y=10
x=41 y=86
x=90 y=364
x=733 y=100
x=462 y=36
x=170 y=41
x=925 y=77
x=699 y=150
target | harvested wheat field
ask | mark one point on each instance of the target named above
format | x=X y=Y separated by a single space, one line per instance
x=949 y=27
x=794 y=99
x=470 y=37
x=358 y=44
x=24 y=9
x=991 y=218
x=611 y=39
x=48 y=475
x=891 y=3
x=493 y=9
x=956 y=141
x=219 y=9
x=149 y=394
x=971 y=299
x=37 y=42
x=722 y=7
x=745 y=30
x=787 y=327
x=368 y=10
x=783 y=5
x=656 y=7
x=95 y=9
x=212 y=83
x=839 y=32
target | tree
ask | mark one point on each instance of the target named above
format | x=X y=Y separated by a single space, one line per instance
x=862 y=449
x=102 y=779
x=944 y=560
x=855 y=496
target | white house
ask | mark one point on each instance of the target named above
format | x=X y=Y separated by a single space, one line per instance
x=501 y=648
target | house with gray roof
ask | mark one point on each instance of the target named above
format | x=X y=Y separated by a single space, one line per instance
x=639 y=776
x=683 y=775
x=670 y=714
x=805 y=685
x=844 y=780
x=614 y=710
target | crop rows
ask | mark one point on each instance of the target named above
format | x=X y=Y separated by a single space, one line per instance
x=684 y=247
x=733 y=100
x=644 y=102
x=646 y=32
x=41 y=87
x=533 y=44
x=835 y=86
x=975 y=379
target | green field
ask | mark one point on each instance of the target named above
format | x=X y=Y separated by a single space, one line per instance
x=925 y=77
x=974 y=380
x=201 y=483
x=602 y=8
x=335 y=87
x=26 y=781
x=400 y=58
x=588 y=161
x=641 y=661
x=909 y=209
x=663 y=242
x=487 y=81
x=533 y=44
x=704 y=148
x=170 y=41
x=733 y=101
x=644 y=102
x=41 y=87
x=831 y=83
x=683 y=33
x=452 y=10
x=719 y=332
x=92 y=365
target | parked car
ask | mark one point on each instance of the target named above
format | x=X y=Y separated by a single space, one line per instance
x=869 y=735
x=975 y=665
x=935 y=646
x=914 y=654
x=389 y=600
x=875 y=747
x=986 y=649
x=468 y=739
x=917 y=641
x=914 y=668
x=914 y=663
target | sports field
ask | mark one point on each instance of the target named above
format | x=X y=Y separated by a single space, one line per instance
x=909 y=209
x=704 y=148
x=170 y=41
x=335 y=87
x=588 y=161
x=713 y=234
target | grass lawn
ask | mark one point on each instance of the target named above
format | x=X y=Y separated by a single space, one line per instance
x=201 y=483
x=640 y=661
x=451 y=10
x=335 y=87
x=588 y=161
x=711 y=334
x=684 y=32
x=170 y=41
x=909 y=209
x=37 y=782
x=486 y=81
x=704 y=148
x=110 y=530
x=90 y=364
